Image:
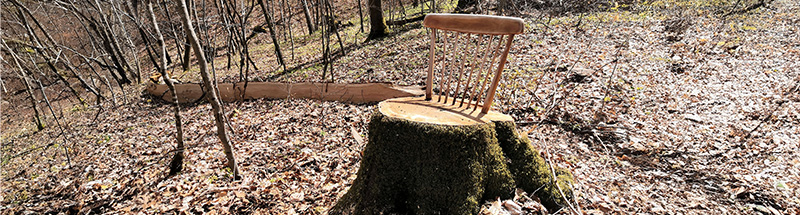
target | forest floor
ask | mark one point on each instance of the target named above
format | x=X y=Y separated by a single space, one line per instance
x=663 y=108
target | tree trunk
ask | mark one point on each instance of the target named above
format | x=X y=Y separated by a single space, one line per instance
x=186 y=59
x=176 y=165
x=37 y=119
x=360 y=16
x=164 y=5
x=149 y=49
x=271 y=27
x=137 y=72
x=414 y=167
x=377 y=23
x=464 y=4
x=288 y=24
x=24 y=77
x=334 y=26
x=309 y=21
x=211 y=88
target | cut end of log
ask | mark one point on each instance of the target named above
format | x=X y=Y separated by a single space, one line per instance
x=418 y=110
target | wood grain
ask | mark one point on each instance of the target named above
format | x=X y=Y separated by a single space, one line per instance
x=475 y=24
x=419 y=110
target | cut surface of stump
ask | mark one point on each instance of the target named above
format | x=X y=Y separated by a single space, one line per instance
x=438 y=112
x=426 y=157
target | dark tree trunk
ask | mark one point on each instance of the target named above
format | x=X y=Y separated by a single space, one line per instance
x=377 y=23
x=123 y=78
x=309 y=21
x=360 y=16
x=37 y=119
x=113 y=46
x=187 y=54
x=464 y=4
x=135 y=72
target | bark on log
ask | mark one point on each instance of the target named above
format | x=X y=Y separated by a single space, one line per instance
x=411 y=167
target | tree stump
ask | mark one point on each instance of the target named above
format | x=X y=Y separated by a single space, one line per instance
x=429 y=158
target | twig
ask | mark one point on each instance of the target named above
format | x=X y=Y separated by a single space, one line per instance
x=406 y=21
x=225 y=189
x=780 y=104
x=735 y=5
x=552 y=96
x=608 y=82
x=61 y=128
x=555 y=182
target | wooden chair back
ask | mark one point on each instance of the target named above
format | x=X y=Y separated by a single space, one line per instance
x=468 y=52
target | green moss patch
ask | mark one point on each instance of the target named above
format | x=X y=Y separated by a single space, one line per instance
x=419 y=168
x=530 y=170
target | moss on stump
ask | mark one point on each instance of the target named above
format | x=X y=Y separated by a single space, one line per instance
x=420 y=168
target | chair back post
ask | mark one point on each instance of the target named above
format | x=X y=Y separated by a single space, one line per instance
x=429 y=82
x=487 y=104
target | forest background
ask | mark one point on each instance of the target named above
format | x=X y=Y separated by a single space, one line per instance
x=664 y=106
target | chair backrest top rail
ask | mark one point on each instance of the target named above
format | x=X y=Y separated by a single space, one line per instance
x=475 y=24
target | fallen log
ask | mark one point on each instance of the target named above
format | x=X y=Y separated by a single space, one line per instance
x=355 y=93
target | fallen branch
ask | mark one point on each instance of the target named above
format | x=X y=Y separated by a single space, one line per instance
x=780 y=104
x=226 y=189
x=572 y=208
x=406 y=21
x=760 y=3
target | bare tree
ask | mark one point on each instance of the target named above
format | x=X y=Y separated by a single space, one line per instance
x=271 y=27
x=27 y=82
x=99 y=29
x=22 y=72
x=211 y=89
x=41 y=49
x=110 y=41
x=288 y=23
x=309 y=20
x=176 y=165
x=117 y=12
